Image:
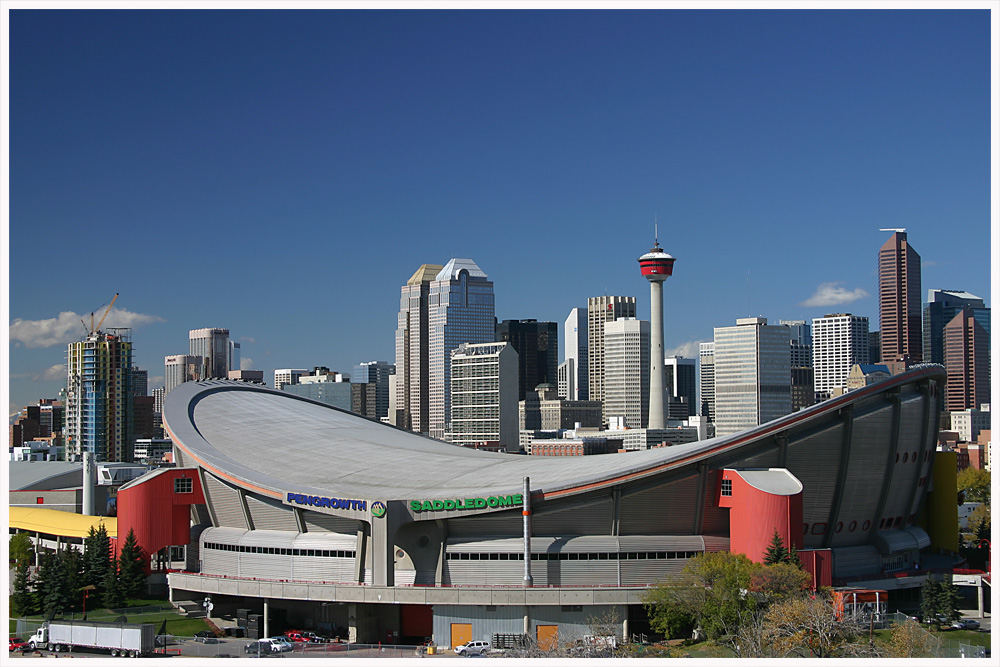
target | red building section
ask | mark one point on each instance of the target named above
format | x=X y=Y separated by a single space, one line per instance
x=760 y=502
x=157 y=508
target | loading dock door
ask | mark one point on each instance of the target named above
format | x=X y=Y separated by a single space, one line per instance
x=547 y=637
x=461 y=633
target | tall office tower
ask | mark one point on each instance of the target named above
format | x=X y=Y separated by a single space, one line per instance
x=286 y=376
x=966 y=358
x=626 y=371
x=378 y=374
x=411 y=349
x=158 y=395
x=234 y=355
x=899 y=300
x=484 y=393
x=566 y=384
x=706 y=359
x=798 y=330
x=459 y=310
x=681 y=387
x=942 y=306
x=576 y=345
x=839 y=342
x=213 y=345
x=753 y=378
x=537 y=347
x=656 y=266
x=180 y=368
x=98 y=416
x=139 y=383
x=874 y=345
x=602 y=309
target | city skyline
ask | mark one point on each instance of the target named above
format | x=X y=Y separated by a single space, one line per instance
x=770 y=176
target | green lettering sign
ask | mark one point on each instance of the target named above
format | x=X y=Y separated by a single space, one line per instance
x=448 y=504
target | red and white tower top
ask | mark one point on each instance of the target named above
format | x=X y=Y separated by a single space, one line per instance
x=656 y=265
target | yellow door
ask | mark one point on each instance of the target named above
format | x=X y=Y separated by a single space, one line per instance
x=547 y=637
x=461 y=633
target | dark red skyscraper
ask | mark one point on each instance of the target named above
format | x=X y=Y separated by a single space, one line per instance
x=899 y=299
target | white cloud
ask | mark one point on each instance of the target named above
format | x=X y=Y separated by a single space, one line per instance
x=67 y=327
x=246 y=364
x=55 y=372
x=831 y=294
x=154 y=381
x=247 y=339
x=688 y=350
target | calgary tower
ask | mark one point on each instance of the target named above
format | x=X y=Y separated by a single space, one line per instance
x=656 y=266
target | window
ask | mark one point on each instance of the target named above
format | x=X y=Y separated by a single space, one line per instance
x=183 y=485
x=727 y=487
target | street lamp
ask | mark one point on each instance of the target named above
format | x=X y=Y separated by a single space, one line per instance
x=86 y=593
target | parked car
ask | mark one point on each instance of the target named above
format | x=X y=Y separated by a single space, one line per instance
x=268 y=645
x=18 y=644
x=965 y=624
x=305 y=636
x=477 y=647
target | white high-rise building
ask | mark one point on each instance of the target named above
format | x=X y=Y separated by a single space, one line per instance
x=753 y=378
x=212 y=345
x=234 y=355
x=575 y=338
x=706 y=359
x=839 y=342
x=484 y=391
x=566 y=379
x=626 y=371
x=284 y=376
x=459 y=310
x=180 y=368
x=602 y=309
x=411 y=387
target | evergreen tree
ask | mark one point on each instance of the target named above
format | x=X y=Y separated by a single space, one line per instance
x=96 y=559
x=23 y=598
x=21 y=548
x=131 y=570
x=939 y=601
x=53 y=588
x=776 y=551
x=111 y=596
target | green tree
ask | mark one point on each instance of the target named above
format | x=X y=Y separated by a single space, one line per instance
x=131 y=568
x=20 y=548
x=776 y=551
x=111 y=596
x=909 y=640
x=57 y=583
x=939 y=601
x=96 y=559
x=806 y=627
x=779 y=582
x=23 y=598
x=974 y=485
x=713 y=589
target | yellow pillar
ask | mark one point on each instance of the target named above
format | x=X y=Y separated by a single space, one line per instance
x=942 y=503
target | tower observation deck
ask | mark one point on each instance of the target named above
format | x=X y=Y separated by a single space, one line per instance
x=656 y=266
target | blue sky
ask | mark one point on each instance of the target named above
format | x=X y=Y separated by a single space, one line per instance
x=281 y=174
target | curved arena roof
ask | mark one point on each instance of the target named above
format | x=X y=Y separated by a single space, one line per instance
x=271 y=441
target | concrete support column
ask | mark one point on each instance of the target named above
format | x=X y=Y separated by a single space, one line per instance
x=384 y=543
x=352 y=623
x=625 y=627
x=527 y=621
x=267 y=631
x=656 y=390
x=979 y=598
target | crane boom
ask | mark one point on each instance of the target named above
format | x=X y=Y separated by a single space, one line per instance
x=113 y=299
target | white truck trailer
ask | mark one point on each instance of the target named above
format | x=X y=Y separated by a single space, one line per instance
x=126 y=639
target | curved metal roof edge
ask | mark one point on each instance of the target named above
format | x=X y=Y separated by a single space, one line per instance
x=185 y=435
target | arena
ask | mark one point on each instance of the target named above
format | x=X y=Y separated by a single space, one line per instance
x=315 y=516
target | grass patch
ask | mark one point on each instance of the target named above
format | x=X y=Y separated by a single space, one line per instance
x=178 y=625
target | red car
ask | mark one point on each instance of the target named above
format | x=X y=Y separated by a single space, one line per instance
x=17 y=644
x=304 y=636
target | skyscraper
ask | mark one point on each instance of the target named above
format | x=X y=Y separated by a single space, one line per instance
x=376 y=373
x=899 y=300
x=800 y=339
x=180 y=368
x=626 y=371
x=411 y=349
x=575 y=346
x=460 y=310
x=139 y=383
x=537 y=347
x=752 y=374
x=706 y=359
x=98 y=417
x=681 y=388
x=839 y=342
x=234 y=355
x=483 y=392
x=602 y=309
x=213 y=345
x=966 y=358
x=942 y=306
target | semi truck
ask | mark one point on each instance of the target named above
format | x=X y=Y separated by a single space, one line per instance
x=126 y=639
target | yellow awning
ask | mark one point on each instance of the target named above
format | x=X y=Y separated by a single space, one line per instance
x=64 y=524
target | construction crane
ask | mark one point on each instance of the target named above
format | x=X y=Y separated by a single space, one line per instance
x=901 y=230
x=93 y=329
